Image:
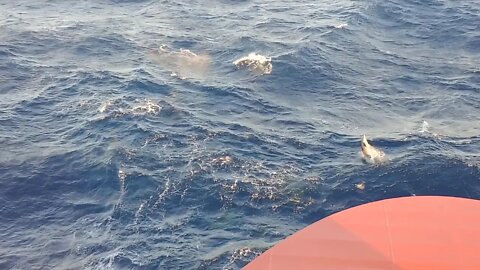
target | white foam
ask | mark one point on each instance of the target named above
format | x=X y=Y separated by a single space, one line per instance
x=178 y=76
x=187 y=53
x=255 y=62
x=376 y=160
x=424 y=128
x=341 y=26
x=147 y=107
x=122 y=175
x=118 y=108
x=183 y=63
x=103 y=108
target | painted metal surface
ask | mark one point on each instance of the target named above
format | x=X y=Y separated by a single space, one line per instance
x=428 y=232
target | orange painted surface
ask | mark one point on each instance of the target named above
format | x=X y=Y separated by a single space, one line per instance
x=409 y=233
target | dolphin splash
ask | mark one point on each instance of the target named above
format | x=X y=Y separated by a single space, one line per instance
x=183 y=63
x=255 y=62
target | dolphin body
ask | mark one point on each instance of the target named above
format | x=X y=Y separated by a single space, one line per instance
x=372 y=154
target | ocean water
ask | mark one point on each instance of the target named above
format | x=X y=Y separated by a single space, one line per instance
x=130 y=140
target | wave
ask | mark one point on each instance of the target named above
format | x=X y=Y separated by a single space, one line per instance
x=147 y=157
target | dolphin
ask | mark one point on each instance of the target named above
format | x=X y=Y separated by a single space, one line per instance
x=370 y=153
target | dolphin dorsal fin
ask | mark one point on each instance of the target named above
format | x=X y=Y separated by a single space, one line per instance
x=365 y=141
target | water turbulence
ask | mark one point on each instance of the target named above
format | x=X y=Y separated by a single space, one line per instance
x=256 y=63
x=183 y=63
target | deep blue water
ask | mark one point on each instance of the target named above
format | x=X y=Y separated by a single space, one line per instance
x=109 y=162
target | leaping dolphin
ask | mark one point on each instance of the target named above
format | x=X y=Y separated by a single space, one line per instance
x=370 y=153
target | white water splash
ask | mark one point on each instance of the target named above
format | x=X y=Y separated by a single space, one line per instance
x=119 y=108
x=122 y=176
x=341 y=26
x=104 y=106
x=183 y=63
x=146 y=107
x=424 y=127
x=255 y=62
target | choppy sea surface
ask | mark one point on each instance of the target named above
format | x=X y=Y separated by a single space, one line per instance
x=130 y=140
